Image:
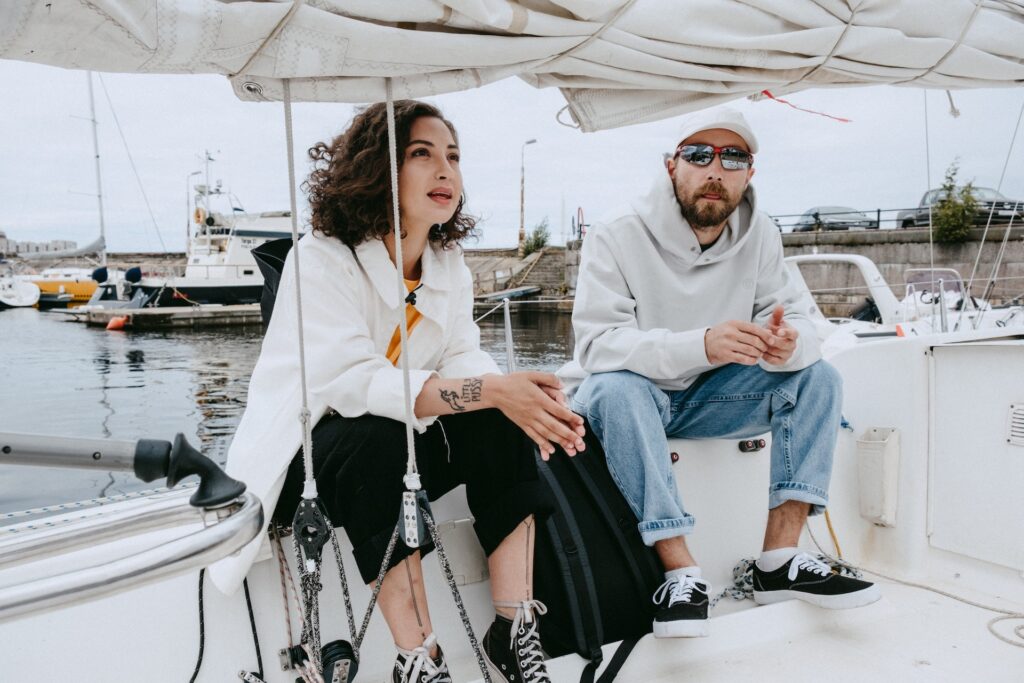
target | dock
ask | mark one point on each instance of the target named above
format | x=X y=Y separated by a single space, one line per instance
x=512 y=293
x=175 y=317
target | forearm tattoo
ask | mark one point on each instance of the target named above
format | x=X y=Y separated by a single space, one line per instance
x=472 y=392
x=452 y=399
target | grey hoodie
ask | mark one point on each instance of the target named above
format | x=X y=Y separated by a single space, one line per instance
x=646 y=293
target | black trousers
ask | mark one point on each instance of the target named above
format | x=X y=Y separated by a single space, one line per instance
x=359 y=463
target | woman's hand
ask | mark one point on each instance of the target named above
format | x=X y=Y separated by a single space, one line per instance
x=535 y=402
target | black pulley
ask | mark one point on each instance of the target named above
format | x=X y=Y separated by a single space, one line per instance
x=311 y=527
x=339 y=660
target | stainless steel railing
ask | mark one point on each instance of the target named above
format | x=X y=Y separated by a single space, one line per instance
x=223 y=530
x=214 y=520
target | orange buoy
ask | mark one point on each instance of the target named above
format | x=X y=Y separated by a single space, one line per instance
x=117 y=322
x=900 y=332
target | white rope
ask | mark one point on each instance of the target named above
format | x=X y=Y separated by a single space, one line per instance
x=309 y=488
x=412 y=479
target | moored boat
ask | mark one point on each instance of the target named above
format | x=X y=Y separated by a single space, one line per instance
x=15 y=293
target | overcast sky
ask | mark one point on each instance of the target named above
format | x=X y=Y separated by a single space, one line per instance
x=46 y=163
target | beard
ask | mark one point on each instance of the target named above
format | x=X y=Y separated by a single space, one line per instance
x=702 y=214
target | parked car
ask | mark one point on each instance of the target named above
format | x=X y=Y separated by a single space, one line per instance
x=986 y=196
x=833 y=218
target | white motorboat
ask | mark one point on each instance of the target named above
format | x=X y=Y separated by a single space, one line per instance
x=219 y=268
x=927 y=477
x=922 y=310
x=17 y=293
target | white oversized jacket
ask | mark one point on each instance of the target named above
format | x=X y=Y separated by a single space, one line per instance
x=646 y=292
x=350 y=309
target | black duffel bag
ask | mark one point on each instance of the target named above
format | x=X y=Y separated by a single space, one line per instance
x=591 y=567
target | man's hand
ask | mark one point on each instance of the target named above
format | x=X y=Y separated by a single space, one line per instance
x=737 y=341
x=785 y=336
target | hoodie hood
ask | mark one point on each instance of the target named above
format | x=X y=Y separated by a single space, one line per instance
x=659 y=211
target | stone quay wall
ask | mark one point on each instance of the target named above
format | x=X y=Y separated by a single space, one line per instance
x=839 y=288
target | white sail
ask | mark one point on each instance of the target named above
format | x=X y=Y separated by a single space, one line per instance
x=616 y=62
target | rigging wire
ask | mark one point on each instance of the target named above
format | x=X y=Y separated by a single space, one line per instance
x=131 y=162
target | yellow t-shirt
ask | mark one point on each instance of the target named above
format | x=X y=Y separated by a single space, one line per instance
x=412 y=316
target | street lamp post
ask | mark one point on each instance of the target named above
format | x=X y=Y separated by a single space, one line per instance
x=522 y=195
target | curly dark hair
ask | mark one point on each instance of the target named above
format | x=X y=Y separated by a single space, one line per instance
x=350 y=185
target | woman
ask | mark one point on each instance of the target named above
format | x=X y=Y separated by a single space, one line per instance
x=474 y=425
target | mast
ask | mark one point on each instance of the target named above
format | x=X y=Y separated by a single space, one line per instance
x=99 y=182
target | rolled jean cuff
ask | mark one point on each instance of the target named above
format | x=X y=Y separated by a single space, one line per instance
x=659 y=530
x=506 y=512
x=805 y=493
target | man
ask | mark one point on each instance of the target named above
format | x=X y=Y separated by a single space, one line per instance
x=688 y=325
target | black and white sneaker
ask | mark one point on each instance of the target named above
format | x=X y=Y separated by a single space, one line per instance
x=809 y=579
x=683 y=608
x=417 y=666
x=512 y=648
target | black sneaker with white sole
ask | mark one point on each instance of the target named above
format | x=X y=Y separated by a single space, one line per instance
x=809 y=579
x=682 y=608
x=417 y=666
x=512 y=648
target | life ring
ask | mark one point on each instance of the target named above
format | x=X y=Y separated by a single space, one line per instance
x=199 y=216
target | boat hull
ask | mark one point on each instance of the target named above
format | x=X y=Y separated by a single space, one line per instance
x=80 y=289
x=190 y=294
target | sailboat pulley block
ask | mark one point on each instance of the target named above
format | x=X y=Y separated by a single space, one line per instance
x=311 y=528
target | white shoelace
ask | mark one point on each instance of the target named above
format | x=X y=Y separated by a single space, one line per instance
x=808 y=562
x=530 y=655
x=680 y=589
x=420 y=662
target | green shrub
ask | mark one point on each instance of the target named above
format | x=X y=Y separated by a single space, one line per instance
x=953 y=214
x=537 y=239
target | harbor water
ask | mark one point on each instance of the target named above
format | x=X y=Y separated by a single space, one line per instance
x=63 y=378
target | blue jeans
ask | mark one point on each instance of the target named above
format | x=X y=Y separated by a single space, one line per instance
x=633 y=419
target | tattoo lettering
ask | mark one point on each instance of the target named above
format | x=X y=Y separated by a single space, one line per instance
x=452 y=399
x=472 y=390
